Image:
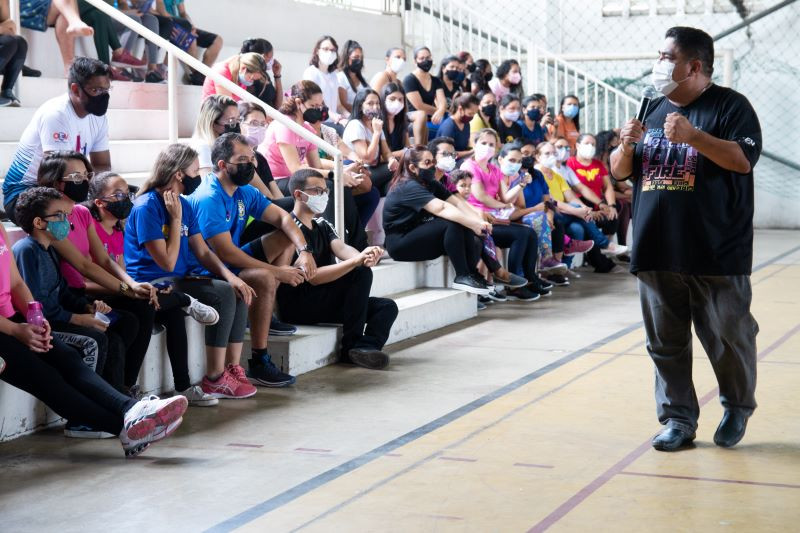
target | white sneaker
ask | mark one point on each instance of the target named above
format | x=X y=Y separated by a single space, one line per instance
x=133 y=448
x=197 y=397
x=201 y=312
x=614 y=249
x=150 y=415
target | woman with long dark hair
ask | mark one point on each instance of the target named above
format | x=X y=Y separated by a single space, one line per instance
x=351 y=79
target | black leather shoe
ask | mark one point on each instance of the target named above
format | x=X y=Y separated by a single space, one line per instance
x=372 y=359
x=731 y=429
x=671 y=439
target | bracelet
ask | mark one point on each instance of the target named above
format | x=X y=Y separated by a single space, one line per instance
x=276 y=77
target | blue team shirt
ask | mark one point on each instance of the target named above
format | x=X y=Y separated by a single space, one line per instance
x=448 y=128
x=535 y=135
x=149 y=221
x=535 y=189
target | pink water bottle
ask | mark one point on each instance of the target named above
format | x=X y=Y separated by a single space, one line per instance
x=35 y=316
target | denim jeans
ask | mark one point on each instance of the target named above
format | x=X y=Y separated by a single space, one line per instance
x=579 y=229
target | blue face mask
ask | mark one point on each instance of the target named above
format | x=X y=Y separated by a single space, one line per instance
x=571 y=110
x=510 y=169
x=59 y=229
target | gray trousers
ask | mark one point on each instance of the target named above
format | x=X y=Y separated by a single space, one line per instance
x=719 y=308
x=150 y=22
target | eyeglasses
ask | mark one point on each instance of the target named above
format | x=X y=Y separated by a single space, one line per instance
x=119 y=196
x=60 y=216
x=316 y=190
x=96 y=91
x=78 y=177
x=229 y=122
x=255 y=124
x=448 y=154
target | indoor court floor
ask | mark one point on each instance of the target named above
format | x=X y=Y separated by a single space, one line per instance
x=531 y=417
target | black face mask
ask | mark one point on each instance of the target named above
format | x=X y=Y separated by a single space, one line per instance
x=76 y=192
x=233 y=128
x=96 y=105
x=489 y=110
x=534 y=114
x=487 y=77
x=243 y=173
x=427 y=175
x=527 y=162
x=425 y=65
x=356 y=65
x=455 y=75
x=190 y=183
x=471 y=67
x=120 y=209
x=313 y=115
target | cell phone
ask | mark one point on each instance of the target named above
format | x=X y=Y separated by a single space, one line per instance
x=550 y=110
x=113 y=316
x=163 y=285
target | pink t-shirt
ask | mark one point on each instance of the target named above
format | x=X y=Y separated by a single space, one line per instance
x=209 y=87
x=6 y=305
x=278 y=133
x=114 y=244
x=81 y=220
x=490 y=181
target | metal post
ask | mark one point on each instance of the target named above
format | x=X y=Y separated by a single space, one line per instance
x=338 y=186
x=605 y=99
x=13 y=12
x=596 y=107
x=586 y=97
x=172 y=96
x=533 y=69
x=547 y=77
x=727 y=67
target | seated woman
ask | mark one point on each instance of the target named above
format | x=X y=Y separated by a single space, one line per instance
x=365 y=136
x=54 y=373
x=427 y=103
x=486 y=115
x=351 y=80
x=466 y=59
x=492 y=193
x=507 y=80
x=242 y=69
x=322 y=72
x=395 y=127
x=568 y=121
x=287 y=152
x=265 y=90
x=395 y=61
x=508 y=129
x=163 y=243
x=607 y=142
x=479 y=79
x=456 y=126
x=13 y=51
x=451 y=74
x=423 y=221
x=110 y=204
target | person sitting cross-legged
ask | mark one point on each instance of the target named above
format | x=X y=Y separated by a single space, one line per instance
x=223 y=203
x=339 y=293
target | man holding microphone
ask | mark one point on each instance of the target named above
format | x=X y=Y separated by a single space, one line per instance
x=692 y=169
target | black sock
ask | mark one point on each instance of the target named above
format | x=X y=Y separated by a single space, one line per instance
x=259 y=353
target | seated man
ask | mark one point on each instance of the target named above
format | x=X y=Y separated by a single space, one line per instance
x=223 y=203
x=339 y=293
x=73 y=121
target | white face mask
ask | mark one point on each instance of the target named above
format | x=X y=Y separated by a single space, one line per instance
x=511 y=116
x=661 y=77
x=270 y=63
x=483 y=152
x=549 y=161
x=562 y=153
x=393 y=107
x=318 y=203
x=446 y=164
x=243 y=80
x=255 y=134
x=586 y=151
x=396 y=64
x=326 y=57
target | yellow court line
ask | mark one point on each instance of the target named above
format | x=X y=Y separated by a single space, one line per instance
x=559 y=451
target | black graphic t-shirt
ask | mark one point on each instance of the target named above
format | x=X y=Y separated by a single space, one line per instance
x=689 y=214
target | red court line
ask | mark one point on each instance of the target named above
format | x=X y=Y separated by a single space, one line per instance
x=715 y=480
x=576 y=499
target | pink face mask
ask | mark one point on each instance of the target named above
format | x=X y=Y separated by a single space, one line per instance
x=514 y=77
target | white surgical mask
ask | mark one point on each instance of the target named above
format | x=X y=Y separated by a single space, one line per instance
x=317 y=203
x=326 y=57
x=586 y=151
x=662 y=77
x=511 y=116
x=243 y=80
x=255 y=134
x=396 y=64
x=270 y=63
x=562 y=153
x=446 y=164
x=510 y=169
x=483 y=152
x=393 y=107
x=549 y=161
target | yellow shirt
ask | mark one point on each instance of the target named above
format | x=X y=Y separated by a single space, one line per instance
x=557 y=186
x=476 y=124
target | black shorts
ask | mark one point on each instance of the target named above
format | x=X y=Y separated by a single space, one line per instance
x=204 y=38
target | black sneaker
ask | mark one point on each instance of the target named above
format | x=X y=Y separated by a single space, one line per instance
x=523 y=294
x=29 y=72
x=154 y=77
x=263 y=372
x=368 y=358
x=514 y=281
x=558 y=280
x=539 y=288
x=543 y=283
x=485 y=300
x=471 y=284
x=281 y=329
x=497 y=296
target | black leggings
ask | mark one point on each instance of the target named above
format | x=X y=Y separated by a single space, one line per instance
x=434 y=239
x=65 y=384
x=13 y=50
x=524 y=247
x=557 y=235
x=381 y=176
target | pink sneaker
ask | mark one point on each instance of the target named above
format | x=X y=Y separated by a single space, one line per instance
x=575 y=246
x=125 y=59
x=551 y=266
x=227 y=386
x=238 y=372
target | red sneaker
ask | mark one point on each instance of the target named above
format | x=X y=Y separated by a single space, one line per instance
x=575 y=246
x=125 y=59
x=119 y=75
x=238 y=372
x=227 y=386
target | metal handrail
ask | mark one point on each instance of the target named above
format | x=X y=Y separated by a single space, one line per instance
x=174 y=53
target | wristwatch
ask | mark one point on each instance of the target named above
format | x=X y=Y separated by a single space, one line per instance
x=305 y=248
x=124 y=287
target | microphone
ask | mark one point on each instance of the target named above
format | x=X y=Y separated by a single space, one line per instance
x=648 y=94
